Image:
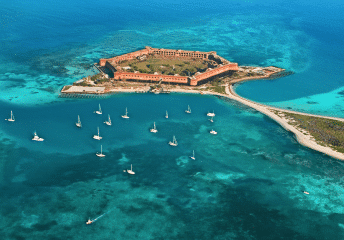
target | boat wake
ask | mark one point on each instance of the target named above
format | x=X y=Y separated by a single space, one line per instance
x=97 y=218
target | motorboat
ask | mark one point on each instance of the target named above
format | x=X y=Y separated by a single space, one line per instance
x=213 y=132
x=36 y=138
x=209 y=114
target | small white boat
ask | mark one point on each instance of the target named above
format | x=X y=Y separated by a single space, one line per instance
x=193 y=155
x=36 y=138
x=97 y=137
x=101 y=152
x=153 y=130
x=209 y=114
x=174 y=142
x=11 y=119
x=126 y=113
x=99 y=110
x=213 y=132
x=211 y=119
x=166 y=116
x=108 y=122
x=78 y=124
x=305 y=192
x=189 y=110
x=131 y=170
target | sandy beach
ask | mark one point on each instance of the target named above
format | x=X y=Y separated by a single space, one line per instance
x=302 y=136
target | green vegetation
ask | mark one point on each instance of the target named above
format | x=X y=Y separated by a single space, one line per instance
x=83 y=84
x=325 y=131
x=166 y=66
x=219 y=89
x=95 y=77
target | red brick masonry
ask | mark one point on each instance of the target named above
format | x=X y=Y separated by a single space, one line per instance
x=193 y=80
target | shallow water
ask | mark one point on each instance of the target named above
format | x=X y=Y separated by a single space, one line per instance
x=246 y=182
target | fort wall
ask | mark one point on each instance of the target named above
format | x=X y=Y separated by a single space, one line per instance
x=110 y=63
x=151 y=77
x=213 y=72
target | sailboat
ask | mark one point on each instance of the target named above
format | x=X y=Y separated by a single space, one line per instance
x=78 y=124
x=189 y=110
x=153 y=130
x=99 y=110
x=108 y=122
x=211 y=119
x=174 y=142
x=36 y=138
x=166 y=116
x=193 y=155
x=126 y=113
x=11 y=119
x=213 y=132
x=97 y=137
x=101 y=152
x=131 y=170
x=209 y=114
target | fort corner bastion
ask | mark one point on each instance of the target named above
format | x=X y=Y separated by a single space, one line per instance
x=215 y=66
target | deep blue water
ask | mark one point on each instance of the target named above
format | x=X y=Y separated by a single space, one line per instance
x=247 y=182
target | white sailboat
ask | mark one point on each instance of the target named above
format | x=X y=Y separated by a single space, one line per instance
x=211 y=119
x=78 y=124
x=189 y=110
x=97 y=137
x=11 y=119
x=193 y=155
x=213 y=132
x=126 y=113
x=131 y=170
x=36 y=138
x=209 y=114
x=99 y=110
x=108 y=122
x=166 y=116
x=101 y=152
x=174 y=142
x=153 y=130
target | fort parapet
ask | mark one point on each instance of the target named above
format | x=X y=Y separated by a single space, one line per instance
x=224 y=68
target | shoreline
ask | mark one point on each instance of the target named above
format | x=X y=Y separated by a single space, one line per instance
x=302 y=136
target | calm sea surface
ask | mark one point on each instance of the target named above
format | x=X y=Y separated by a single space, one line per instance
x=247 y=181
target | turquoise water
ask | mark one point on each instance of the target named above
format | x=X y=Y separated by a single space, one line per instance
x=247 y=182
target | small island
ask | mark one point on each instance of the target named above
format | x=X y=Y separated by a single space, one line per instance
x=165 y=70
